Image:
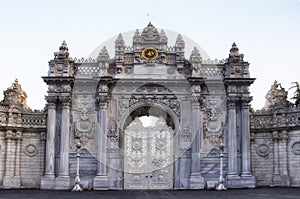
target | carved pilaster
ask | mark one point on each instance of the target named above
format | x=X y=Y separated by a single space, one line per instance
x=12 y=161
x=18 y=153
x=246 y=170
x=196 y=180
x=63 y=180
x=283 y=156
x=100 y=180
x=9 y=166
x=232 y=138
x=276 y=180
x=50 y=144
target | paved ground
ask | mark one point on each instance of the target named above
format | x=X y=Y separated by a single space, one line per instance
x=265 y=193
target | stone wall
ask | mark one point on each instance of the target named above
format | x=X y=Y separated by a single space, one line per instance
x=275 y=141
x=22 y=151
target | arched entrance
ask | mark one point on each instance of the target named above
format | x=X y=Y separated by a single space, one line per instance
x=148 y=150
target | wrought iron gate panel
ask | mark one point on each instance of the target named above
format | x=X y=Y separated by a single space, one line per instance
x=148 y=157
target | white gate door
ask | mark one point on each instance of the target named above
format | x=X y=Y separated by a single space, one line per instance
x=148 y=156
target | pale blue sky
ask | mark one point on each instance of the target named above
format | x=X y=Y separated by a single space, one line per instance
x=266 y=31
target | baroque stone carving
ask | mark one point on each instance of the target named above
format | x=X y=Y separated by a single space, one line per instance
x=30 y=150
x=296 y=148
x=84 y=127
x=276 y=96
x=263 y=150
x=213 y=128
x=185 y=139
x=112 y=140
x=173 y=104
x=3 y=119
x=15 y=95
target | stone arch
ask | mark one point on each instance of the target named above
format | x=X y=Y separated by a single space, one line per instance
x=174 y=123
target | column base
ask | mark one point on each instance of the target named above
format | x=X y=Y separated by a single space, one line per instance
x=62 y=183
x=11 y=182
x=196 y=182
x=249 y=181
x=100 y=183
x=48 y=182
x=234 y=181
x=280 y=180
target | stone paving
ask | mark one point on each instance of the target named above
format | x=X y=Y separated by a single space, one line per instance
x=265 y=193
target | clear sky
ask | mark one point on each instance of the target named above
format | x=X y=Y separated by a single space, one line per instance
x=267 y=32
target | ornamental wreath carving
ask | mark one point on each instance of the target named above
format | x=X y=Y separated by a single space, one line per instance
x=30 y=150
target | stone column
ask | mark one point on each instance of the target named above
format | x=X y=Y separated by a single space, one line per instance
x=246 y=170
x=8 y=181
x=276 y=180
x=196 y=180
x=283 y=154
x=232 y=140
x=249 y=180
x=233 y=179
x=100 y=180
x=47 y=181
x=63 y=179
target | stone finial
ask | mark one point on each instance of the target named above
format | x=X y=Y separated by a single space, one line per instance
x=234 y=55
x=195 y=56
x=120 y=41
x=234 y=51
x=162 y=36
x=179 y=42
x=15 y=95
x=63 y=52
x=137 y=36
x=103 y=55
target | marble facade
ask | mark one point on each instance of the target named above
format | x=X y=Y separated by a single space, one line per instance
x=199 y=105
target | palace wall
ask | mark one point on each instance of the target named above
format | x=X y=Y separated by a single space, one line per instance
x=22 y=147
x=275 y=141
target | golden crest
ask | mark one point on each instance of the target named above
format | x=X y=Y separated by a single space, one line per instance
x=150 y=53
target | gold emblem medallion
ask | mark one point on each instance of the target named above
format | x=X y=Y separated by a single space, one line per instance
x=150 y=53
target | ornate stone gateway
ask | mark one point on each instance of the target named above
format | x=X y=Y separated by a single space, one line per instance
x=148 y=156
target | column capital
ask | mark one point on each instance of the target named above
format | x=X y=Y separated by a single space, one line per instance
x=19 y=135
x=231 y=103
x=66 y=101
x=284 y=135
x=51 y=100
x=275 y=136
x=9 y=135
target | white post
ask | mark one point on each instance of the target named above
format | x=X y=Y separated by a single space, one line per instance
x=77 y=186
x=221 y=186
